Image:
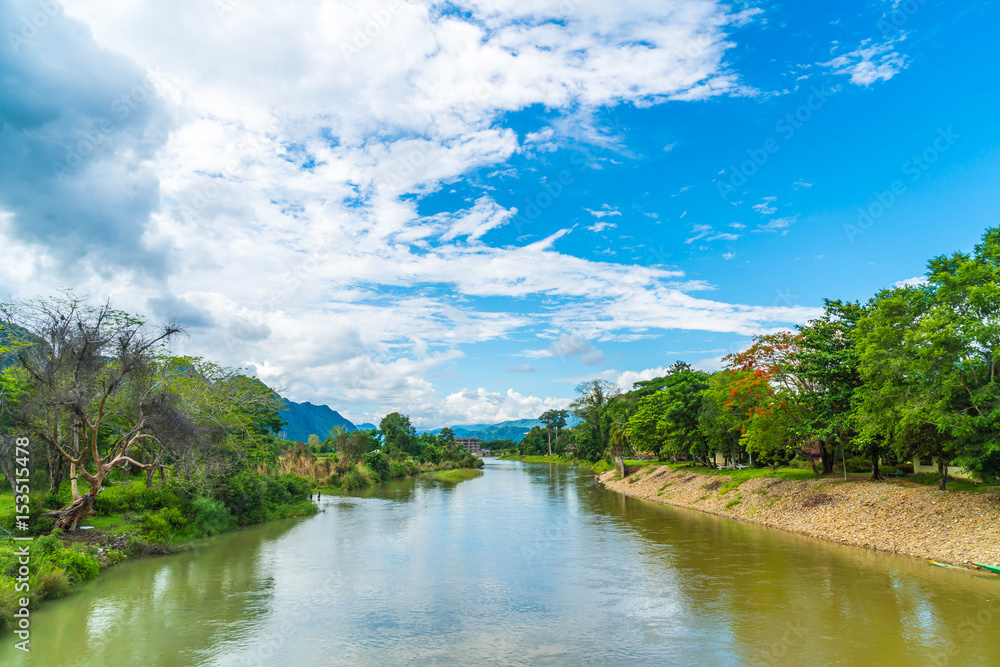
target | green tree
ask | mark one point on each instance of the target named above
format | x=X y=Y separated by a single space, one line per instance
x=828 y=360
x=554 y=420
x=929 y=360
x=593 y=398
x=398 y=435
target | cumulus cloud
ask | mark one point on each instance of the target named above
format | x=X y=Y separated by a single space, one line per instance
x=265 y=184
x=81 y=126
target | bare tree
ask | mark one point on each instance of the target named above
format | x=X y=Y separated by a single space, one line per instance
x=94 y=388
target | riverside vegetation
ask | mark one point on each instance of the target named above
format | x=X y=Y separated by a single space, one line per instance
x=864 y=388
x=154 y=451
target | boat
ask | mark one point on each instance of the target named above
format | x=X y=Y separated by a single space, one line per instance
x=991 y=568
x=953 y=567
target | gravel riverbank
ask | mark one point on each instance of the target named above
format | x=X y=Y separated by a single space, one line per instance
x=888 y=516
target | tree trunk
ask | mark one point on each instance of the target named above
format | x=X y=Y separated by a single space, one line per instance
x=826 y=454
x=943 y=471
x=550 y=442
x=876 y=475
x=68 y=517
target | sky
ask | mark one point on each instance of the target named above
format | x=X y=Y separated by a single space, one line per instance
x=461 y=210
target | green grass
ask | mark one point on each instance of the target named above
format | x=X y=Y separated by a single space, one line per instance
x=457 y=475
x=735 y=501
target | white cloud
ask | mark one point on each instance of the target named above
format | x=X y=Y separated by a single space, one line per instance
x=765 y=207
x=870 y=62
x=487 y=407
x=603 y=212
x=916 y=281
x=275 y=180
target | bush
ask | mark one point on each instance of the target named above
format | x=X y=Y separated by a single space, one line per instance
x=378 y=463
x=243 y=496
x=79 y=566
x=210 y=517
x=355 y=478
x=800 y=464
x=162 y=525
x=398 y=469
x=858 y=464
x=927 y=478
x=134 y=497
x=52 y=583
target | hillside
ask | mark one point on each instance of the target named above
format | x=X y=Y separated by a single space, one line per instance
x=305 y=418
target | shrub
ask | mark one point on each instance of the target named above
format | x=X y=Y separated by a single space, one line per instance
x=9 y=598
x=78 y=566
x=243 y=495
x=210 y=517
x=398 y=469
x=859 y=464
x=52 y=583
x=134 y=497
x=927 y=478
x=799 y=464
x=356 y=478
x=378 y=463
x=162 y=525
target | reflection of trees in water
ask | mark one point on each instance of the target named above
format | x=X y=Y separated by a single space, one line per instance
x=175 y=605
x=782 y=598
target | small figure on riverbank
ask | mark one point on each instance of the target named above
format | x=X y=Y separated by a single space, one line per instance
x=319 y=496
x=597 y=480
x=310 y=495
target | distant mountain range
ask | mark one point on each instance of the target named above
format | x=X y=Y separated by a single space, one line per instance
x=305 y=419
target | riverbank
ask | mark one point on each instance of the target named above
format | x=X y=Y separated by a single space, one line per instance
x=131 y=521
x=891 y=516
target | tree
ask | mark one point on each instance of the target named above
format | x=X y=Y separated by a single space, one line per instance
x=666 y=418
x=553 y=419
x=828 y=360
x=590 y=406
x=94 y=387
x=768 y=380
x=718 y=425
x=929 y=360
x=399 y=436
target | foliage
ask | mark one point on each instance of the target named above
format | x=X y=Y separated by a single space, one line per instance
x=378 y=464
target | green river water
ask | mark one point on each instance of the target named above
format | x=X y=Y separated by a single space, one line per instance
x=529 y=564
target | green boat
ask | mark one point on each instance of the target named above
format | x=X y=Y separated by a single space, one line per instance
x=953 y=567
x=991 y=568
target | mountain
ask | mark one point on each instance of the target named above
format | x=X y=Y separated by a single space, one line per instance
x=367 y=427
x=509 y=430
x=305 y=419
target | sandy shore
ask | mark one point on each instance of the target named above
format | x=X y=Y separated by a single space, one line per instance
x=888 y=516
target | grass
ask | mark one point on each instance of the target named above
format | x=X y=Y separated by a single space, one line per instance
x=735 y=501
x=458 y=474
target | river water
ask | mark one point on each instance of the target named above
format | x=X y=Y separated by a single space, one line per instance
x=528 y=564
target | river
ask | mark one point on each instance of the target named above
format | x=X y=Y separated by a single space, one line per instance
x=529 y=564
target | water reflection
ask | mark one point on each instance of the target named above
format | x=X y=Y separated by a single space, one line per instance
x=529 y=564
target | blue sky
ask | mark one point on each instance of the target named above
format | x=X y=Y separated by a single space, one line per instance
x=460 y=210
